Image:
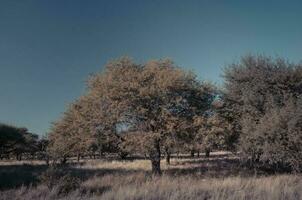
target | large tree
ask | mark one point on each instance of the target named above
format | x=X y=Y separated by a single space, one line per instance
x=151 y=99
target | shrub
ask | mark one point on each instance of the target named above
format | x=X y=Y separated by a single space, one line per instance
x=58 y=179
x=276 y=139
x=263 y=104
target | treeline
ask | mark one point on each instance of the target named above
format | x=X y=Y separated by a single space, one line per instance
x=17 y=143
x=157 y=108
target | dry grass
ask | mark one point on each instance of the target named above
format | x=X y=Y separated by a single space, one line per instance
x=23 y=162
x=139 y=186
x=215 y=178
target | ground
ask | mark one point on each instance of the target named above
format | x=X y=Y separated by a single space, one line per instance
x=217 y=177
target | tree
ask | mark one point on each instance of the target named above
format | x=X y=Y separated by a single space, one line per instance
x=14 y=140
x=150 y=99
x=28 y=144
x=9 y=137
x=71 y=135
x=42 y=149
x=212 y=133
x=259 y=92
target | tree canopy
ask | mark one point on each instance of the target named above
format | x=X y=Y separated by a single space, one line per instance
x=157 y=99
x=262 y=98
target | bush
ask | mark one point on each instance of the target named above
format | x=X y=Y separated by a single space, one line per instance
x=67 y=184
x=60 y=180
x=263 y=104
x=276 y=140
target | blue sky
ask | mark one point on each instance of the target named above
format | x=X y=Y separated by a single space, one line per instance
x=48 y=48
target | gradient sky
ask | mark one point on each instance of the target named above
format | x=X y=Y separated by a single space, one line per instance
x=48 y=48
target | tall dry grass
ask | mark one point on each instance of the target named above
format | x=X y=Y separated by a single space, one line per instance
x=140 y=186
x=212 y=179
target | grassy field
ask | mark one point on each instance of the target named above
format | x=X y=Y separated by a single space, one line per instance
x=219 y=177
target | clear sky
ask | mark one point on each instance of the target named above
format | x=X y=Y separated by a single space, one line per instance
x=48 y=48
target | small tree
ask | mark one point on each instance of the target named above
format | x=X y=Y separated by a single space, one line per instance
x=71 y=135
x=212 y=133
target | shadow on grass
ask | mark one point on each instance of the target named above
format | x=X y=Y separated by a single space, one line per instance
x=13 y=176
x=217 y=166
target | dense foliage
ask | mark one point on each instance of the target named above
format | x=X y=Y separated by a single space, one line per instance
x=157 y=109
x=17 y=142
x=263 y=102
x=156 y=100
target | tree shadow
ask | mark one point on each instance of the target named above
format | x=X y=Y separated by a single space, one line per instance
x=219 y=166
x=13 y=176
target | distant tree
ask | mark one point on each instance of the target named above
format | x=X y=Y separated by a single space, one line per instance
x=9 y=137
x=28 y=144
x=212 y=133
x=261 y=102
x=71 y=135
x=42 y=149
x=17 y=141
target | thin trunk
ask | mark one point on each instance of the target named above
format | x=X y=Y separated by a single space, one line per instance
x=168 y=156
x=155 y=158
x=19 y=157
x=47 y=160
x=208 y=153
x=198 y=154
x=63 y=160
x=101 y=154
x=192 y=153
x=78 y=157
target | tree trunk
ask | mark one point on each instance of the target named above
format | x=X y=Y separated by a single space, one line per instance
x=208 y=153
x=101 y=153
x=155 y=158
x=78 y=157
x=123 y=155
x=63 y=160
x=192 y=153
x=198 y=154
x=19 y=156
x=168 y=156
x=47 y=160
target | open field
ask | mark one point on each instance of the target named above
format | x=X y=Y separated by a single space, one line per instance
x=219 y=177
